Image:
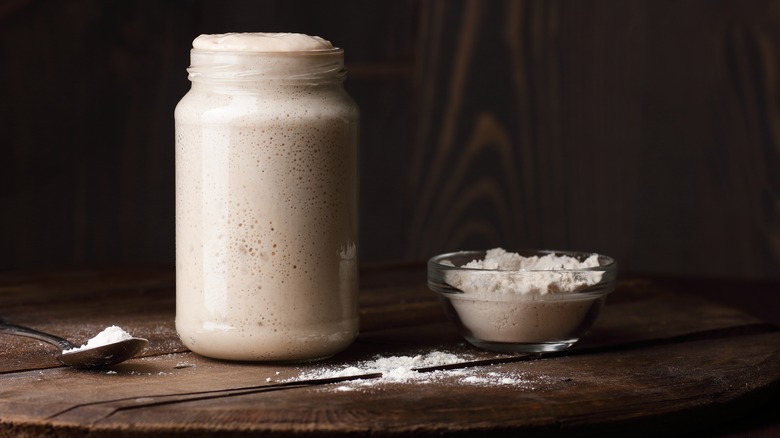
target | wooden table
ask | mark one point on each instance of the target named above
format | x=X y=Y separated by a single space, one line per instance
x=658 y=360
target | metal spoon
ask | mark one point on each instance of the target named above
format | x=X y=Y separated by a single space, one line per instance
x=98 y=357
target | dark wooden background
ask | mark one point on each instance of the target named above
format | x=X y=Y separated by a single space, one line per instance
x=644 y=129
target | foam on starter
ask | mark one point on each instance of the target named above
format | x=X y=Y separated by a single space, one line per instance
x=261 y=42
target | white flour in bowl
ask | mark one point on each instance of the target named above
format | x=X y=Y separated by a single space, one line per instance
x=513 y=274
x=525 y=300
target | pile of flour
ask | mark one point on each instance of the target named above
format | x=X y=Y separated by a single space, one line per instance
x=511 y=273
x=110 y=335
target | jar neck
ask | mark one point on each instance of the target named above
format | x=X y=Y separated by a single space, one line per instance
x=245 y=68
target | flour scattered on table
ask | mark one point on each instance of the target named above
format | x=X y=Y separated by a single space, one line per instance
x=404 y=369
x=393 y=368
x=110 y=335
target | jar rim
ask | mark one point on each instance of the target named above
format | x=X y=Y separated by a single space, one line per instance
x=246 y=66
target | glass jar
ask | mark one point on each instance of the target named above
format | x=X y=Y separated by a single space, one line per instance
x=266 y=206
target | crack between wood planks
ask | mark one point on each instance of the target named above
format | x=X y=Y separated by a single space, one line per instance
x=98 y=411
x=704 y=335
x=718 y=333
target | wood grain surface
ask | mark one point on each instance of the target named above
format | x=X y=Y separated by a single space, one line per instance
x=647 y=130
x=657 y=358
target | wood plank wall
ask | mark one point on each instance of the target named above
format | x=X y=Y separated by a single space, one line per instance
x=647 y=130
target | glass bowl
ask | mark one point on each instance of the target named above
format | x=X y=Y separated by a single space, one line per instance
x=530 y=310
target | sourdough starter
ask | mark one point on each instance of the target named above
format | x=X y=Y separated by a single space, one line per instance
x=266 y=200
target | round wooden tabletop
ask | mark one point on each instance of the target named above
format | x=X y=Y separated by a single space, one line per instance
x=654 y=360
